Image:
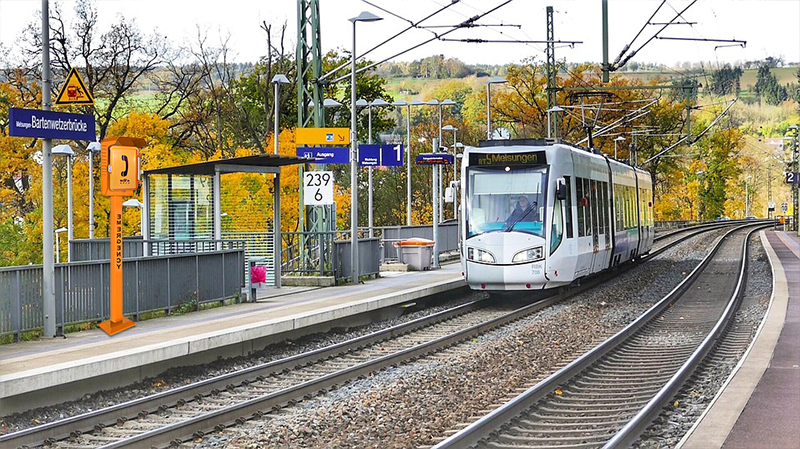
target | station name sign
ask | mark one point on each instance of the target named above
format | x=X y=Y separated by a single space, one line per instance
x=527 y=158
x=51 y=125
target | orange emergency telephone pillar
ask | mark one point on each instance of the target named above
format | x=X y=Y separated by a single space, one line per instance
x=119 y=176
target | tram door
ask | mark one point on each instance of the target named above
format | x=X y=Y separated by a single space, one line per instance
x=601 y=240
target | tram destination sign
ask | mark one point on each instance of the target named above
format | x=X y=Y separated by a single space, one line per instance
x=51 y=125
x=505 y=159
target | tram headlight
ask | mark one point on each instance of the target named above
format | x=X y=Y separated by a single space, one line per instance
x=479 y=255
x=528 y=255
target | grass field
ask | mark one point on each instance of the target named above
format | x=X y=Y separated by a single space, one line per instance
x=407 y=88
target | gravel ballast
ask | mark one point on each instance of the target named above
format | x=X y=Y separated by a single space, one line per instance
x=415 y=404
x=185 y=375
x=673 y=423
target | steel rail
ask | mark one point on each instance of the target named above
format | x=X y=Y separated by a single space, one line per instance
x=217 y=420
x=86 y=422
x=631 y=431
x=95 y=420
x=476 y=432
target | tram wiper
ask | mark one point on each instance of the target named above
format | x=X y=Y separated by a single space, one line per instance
x=521 y=217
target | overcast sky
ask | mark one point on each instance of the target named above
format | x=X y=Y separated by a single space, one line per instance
x=770 y=27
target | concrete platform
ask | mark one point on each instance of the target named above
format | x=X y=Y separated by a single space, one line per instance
x=759 y=406
x=50 y=371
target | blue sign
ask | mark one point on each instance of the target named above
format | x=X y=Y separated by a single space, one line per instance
x=435 y=159
x=51 y=125
x=330 y=155
x=369 y=155
x=380 y=155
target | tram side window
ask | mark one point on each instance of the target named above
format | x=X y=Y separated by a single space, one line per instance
x=605 y=211
x=618 y=206
x=580 y=210
x=627 y=207
x=591 y=213
x=594 y=203
x=568 y=208
x=587 y=191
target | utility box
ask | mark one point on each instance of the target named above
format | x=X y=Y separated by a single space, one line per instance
x=415 y=252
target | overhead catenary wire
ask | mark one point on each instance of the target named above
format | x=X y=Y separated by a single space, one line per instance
x=471 y=19
x=681 y=141
x=410 y=27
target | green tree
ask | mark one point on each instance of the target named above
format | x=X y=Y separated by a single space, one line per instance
x=768 y=88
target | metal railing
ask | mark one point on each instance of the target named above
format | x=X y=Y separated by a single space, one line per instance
x=149 y=284
x=309 y=253
x=447 y=238
x=99 y=249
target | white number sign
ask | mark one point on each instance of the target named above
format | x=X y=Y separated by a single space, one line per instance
x=317 y=188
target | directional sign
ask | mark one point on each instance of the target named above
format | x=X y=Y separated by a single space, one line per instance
x=792 y=178
x=323 y=136
x=380 y=155
x=317 y=188
x=51 y=125
x=784 y=207
x=74 y=92
x=435 y=159
x=332 y=155
x=369 y=155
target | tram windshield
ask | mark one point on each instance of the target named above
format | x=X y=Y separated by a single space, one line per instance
x=502 y=199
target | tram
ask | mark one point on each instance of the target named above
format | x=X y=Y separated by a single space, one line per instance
x=538 y=214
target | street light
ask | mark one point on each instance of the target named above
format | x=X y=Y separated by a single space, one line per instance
x=58 y=244
x=369 y=105
x=67 y=151
x=699 y=187
x=455 y=165
x=618 y=139
x=438 y=168
x=555 y=109
x=363 y=17
x=747 y=196
x=495 y=80
x=92 y=148
x=277 y=80
x=414 y=102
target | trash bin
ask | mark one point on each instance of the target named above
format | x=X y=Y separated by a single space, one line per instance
x=415 y=252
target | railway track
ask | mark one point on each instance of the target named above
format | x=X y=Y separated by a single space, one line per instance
x=190 y=411
x=609 y=395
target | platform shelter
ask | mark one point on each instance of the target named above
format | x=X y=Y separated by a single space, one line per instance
x=184 y=203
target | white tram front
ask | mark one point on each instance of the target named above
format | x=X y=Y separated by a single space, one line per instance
x=539 y=214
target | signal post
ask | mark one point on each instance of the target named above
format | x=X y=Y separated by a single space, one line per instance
x=119 y=176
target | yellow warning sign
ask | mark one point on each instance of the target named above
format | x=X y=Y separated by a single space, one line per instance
x=74 y=92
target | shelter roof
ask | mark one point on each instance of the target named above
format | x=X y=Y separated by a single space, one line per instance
x=260 y=163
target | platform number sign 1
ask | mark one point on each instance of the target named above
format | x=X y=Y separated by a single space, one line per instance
x=317 y=188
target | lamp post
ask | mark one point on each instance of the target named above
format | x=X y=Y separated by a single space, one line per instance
x=447 y=102
x=618 y=139
x=133 y=202
x=58 y=244
x=67 y=151
x=795 y=193
x=94 y=147
x=747 y=196
x=363 y=17
x=495 y=80
x=369 y=105
x=277 y=80
x=414 y=102
x=554 y=109
x=455 y=164
x=699 y=187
